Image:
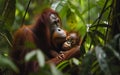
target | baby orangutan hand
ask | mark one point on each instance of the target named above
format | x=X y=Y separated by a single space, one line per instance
x=61 y=56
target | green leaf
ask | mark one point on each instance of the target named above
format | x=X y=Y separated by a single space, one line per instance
x=87 y=63
x=62 y=9
x=75 y=61
x=75 y=9
x=63 y=64
x=101 y=57
x=30 y=55
x=39 y=55
x=114 y=51
x=8 y=63
x=54 y=70
x=40 y=58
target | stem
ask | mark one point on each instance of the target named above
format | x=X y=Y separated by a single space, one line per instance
x=25 y=13
x=5 y=37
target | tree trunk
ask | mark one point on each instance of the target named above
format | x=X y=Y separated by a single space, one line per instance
x=115 y=19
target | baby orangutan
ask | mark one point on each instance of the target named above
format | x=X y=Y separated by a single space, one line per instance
x=71 y=40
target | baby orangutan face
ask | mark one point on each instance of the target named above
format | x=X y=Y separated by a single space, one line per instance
x=71 y=40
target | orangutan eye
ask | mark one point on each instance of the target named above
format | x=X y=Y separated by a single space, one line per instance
x=54 y=19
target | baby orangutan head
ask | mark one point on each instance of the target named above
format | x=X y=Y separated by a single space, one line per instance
x=71 y=40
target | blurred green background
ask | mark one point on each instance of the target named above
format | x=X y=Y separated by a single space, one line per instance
x=92 y=19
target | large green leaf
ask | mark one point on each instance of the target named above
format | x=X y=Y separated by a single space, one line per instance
x=101 y=57
x=87 y=63
x=37 y=54
x=6 y=62
x=30 y=55
x=40 y=58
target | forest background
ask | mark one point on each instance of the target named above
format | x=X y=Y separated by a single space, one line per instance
x=97 y=21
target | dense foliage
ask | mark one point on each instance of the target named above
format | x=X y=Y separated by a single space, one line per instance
x=93 y=19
